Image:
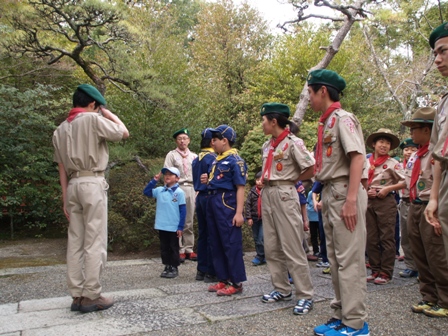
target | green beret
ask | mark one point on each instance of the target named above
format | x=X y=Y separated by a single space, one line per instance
x=181 y=131
x=93 y=93
x=327 y=78
x=269 y=108
x=438 y=33
x=407 y=143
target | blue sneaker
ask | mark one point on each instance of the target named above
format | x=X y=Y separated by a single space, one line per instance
x=257 y=262
x=343 y=330
x=303 y=307
x=408 y=273
x=330 y=324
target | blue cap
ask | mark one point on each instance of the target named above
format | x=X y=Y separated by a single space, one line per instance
x=172 y=170
x=226 y=131
x=206 y=133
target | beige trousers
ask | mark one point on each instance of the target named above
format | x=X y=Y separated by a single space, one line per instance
x=87 y=235
x=186 y=242
x=283 y=235
x=443 y=208
x=345 y=251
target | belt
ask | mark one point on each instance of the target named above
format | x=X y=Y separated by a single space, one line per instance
x=84 y=173
x=279 y=183
x=337 y=179
x=186 y=184
x=218 y=191
x=419 y=201
x=406 y=199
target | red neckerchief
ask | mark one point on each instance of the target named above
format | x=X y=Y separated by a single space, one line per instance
x=445 y=147
x=273 y=146
x=258 y=190
x=320 y=135
x=375 y=163
x=74 y=112
x=416 y=171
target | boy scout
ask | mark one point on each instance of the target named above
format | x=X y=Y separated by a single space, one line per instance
x=82 y=156
x=437 y=210
x=285 y=161
x=386 y=176
x=225 y=206
x=202 y=164
x=182 y=158
x=340 y=162
x=426 y=241
x=408 y=146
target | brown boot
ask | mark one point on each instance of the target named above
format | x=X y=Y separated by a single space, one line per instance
x=76 y=304
x=100 y=303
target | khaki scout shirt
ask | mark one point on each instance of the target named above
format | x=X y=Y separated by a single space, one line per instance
x=174 y=159
x=389 y=173
x=81 y=144
x=424 y=182
x=342 y=135
x=440 y=131
x=291 y=158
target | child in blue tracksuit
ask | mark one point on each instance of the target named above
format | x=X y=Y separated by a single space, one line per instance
x=225 y=206
x=170 y=217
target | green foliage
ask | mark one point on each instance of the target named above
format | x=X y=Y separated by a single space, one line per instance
x=251 y=151
x=131 y=215
x=29 y=188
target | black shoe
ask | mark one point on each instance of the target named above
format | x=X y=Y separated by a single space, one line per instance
x=200 y=276
x=165 y=272
x=173 y=272
x=210 y=278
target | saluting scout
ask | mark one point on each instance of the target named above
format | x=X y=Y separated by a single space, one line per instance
x=340 y=164
x=82 y=156
x=386 y=176
x=182 y=158
x=437 y=210
x=285 y=161
x=426 y=241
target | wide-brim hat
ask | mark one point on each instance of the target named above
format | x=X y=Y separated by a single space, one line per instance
x=424 y=115
x=383 y=133
x=172 y=170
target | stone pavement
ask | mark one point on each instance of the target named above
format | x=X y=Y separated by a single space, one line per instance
x=33 y=301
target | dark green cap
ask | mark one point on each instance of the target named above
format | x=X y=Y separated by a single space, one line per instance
x=327 y=78
x=181 y=131
x=92 y=92
x=269 y=108
x=407 y=143
x=438 y=33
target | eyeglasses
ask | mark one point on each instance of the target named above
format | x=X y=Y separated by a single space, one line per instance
x=182 y=138
x=414 y=128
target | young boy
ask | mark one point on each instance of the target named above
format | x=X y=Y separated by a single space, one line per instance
x=170 y=217
x=202 y=164
x=386 y=176
x=225 y=205
x=340 y=162
x=253 y=217
x=426 y=241
x=409 y=147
